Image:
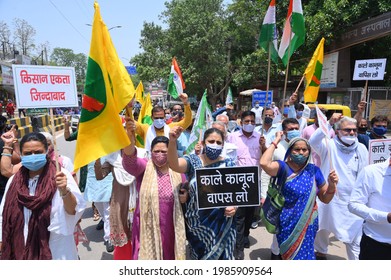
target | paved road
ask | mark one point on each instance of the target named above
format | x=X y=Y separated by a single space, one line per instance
x=260 y=239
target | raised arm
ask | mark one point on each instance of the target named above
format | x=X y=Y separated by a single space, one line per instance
x=268 y=165
x=176 y=164
x=360 y=111
x=186 y=121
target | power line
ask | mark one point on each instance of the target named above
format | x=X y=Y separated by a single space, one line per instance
x=69 y=21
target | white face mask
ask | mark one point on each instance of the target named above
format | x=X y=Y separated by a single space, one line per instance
x=158 y=123
x=248 y=128
x=348 y=139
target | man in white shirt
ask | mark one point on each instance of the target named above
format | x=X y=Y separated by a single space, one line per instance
x=370 y=200
x=348 y=157
x=258 y=113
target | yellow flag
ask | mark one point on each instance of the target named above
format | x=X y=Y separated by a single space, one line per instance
x=140 y=93
x=313 y=74
x=145 y=116
x=108 y=89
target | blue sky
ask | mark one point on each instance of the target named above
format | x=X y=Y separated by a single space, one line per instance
x=63 y=22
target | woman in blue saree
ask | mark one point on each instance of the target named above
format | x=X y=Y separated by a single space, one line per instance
x=305 y=182
x=211 y=233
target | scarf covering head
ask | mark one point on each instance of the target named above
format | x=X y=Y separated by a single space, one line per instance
x=18 y=197
x=292 y=143
x=150 y=236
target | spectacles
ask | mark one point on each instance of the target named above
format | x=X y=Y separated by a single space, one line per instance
x=348 y=130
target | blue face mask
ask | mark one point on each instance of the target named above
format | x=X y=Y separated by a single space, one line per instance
x=158 y=123
x=34 y=162
x=379 y=130
x=299 y=114
x=213 y=151
x=292 y=134
x=298 y=158
x=286 y=110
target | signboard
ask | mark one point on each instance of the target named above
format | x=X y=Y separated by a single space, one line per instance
x=131 y=70
x=6 y=74
x=36 y=111
x=44 y=86
x=261 y=97
x=371 y=69
x=379 y=150
x=329 y=71
x=227 y=186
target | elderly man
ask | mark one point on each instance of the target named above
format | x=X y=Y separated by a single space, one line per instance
x=348 y=157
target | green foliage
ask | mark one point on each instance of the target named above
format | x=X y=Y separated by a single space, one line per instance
x=66 y=57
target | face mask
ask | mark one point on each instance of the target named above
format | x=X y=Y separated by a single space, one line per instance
x=363 y=129
x=168 y=116
x=213 y=151
x=158 y=123
x=256 y=105
x=248 y=128
x=298 y=158
x=268 y=120
x=231 y=125
x=292 y=134
x=348 y=139
x=159 y=159
x=34 y=162
x=299 y=114
x=286 y=110
x=379 y=130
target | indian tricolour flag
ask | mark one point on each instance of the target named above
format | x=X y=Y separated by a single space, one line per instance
x=294 y=31
x=268 y=35
x=176 y=85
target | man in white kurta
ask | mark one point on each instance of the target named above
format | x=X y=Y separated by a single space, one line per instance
x=348 y=157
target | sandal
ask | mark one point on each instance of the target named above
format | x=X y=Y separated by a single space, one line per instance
x=96 y=216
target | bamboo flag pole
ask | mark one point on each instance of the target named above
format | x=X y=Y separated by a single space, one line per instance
x=54 y=140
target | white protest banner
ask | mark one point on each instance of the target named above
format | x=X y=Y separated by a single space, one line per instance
x=322 y=121
x=44 y=86
x=379 y=150
x=371 y=69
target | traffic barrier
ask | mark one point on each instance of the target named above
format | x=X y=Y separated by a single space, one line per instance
x=36 y=124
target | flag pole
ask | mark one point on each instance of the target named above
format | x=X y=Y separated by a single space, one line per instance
x=267 y=86
x=287 y=70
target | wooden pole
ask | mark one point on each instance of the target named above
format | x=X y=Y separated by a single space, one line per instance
x=54 y=139
x=287 y=71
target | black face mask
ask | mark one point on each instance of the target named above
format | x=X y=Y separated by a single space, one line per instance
x=362 y=129
x=268 y=120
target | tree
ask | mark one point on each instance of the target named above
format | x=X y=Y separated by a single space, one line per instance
x=66 y=57
x=24 y=35
x=5 y=38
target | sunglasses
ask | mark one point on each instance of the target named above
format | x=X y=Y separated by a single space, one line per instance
x=348 y=130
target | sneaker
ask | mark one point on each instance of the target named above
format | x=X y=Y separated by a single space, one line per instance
x=254 y=225
x=99 y=226
x=109 y=246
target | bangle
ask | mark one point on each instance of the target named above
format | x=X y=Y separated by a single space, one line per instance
x=8 y=148
x=6 y=154
x=274 y=144
x=65 y=194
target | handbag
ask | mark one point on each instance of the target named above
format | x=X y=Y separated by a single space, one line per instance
x=274 y=202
